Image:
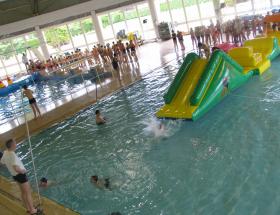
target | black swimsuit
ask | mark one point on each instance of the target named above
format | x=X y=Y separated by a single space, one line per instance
x=32 y=101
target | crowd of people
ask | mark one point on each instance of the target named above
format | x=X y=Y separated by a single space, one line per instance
x=233 y=31
x=99 y=54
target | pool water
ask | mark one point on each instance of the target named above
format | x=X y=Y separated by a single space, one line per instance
x=46 y=92
x=225 y=163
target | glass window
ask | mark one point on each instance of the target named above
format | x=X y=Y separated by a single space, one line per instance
x=262 y=5
x=7 y=53
x=20 y=47
x=162 y=11
x=146 y=21
x=177 y=12
x=119 y=25
x=228 y=9
x=76 y=33
x=89 y=30
x=194 y=24
x=191 y=10
x=58 y=40
x=207 y=22
x=2 y=72
x=106 y=27
x=33 y=46
x=276 y=2
x=132 y=20
x=244 y=5
x=13 y=69
x=207 y=9
x=228 y=18
x=181 y=27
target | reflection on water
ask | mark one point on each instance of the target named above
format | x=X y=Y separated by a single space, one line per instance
x=225 y=163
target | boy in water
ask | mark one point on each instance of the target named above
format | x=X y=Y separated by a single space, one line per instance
x=32 y=101
x=100 y=183
x=99 y=119
x=44 y=183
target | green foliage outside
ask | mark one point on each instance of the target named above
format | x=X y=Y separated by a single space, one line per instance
x=7 y=51
x=57 y=36
x=118 y=16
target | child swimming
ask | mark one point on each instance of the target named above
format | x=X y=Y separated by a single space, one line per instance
x=99 y=119
x=44 y=183
x=155 y=128
x=100 y=183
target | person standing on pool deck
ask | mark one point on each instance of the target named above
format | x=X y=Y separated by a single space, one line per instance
x=18 y=171
x=181 y=40
x=99 y=119
x=32 y=101
x=25 y=61
x=174 y=38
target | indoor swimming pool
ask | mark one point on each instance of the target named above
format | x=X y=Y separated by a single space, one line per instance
x=227 y=162
x=45 y=92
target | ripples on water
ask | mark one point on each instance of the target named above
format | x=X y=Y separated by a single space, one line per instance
x=225 y=163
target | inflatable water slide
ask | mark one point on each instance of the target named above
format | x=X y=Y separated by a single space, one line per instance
x=200 y=84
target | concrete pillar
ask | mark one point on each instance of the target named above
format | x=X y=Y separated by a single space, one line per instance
x=218 y=10
x=42 y=42
x=154 y=16
x=97 y=27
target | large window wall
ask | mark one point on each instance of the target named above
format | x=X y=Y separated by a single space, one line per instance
x=247 y=7
x=65 y=38
x=185 y=14
x=130 y=19
x=11 y=51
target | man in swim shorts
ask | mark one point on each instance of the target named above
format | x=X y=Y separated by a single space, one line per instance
x=99 y=119
x=32 y=101
x=100 y=183
x=18 y=171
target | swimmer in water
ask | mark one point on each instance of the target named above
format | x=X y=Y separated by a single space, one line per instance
x=100 y=183
x=155 y=128
x=99 y=119
x=44 y=183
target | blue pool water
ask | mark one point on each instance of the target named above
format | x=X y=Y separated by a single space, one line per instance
x=225 y=163
x=46 y=92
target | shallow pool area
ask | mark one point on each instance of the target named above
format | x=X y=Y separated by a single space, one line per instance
x=227 y=162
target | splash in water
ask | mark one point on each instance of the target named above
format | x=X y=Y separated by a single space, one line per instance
x=155 y=128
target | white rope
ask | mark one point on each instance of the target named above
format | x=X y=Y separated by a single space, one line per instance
x=31 y=151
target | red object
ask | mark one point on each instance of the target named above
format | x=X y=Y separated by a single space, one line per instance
x=226 y=46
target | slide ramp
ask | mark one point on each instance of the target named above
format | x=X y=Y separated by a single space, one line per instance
x=202 y=85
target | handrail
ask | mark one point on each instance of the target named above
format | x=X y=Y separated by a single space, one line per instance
x=17 y=112
x=86 y=85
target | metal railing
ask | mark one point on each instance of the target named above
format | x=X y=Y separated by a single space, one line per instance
x=85 y=86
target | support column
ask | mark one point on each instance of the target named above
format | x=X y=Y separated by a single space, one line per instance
x=97 y=27
x=154 y=16
x=42 y=42
x=218 y=13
